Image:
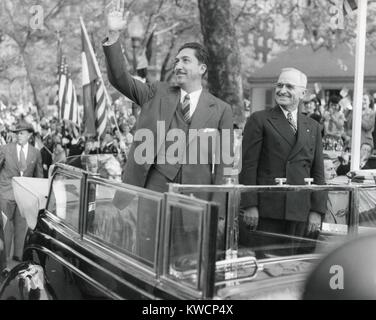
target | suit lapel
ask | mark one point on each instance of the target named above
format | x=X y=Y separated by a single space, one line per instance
x=169 y=104
x=281 y=125
x=203 y=113
x=303 y=135
x=29 y=155
x=15 y=156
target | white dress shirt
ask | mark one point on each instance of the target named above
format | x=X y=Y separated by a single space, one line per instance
x=194 y=97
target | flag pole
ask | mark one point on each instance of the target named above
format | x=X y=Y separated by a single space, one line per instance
x=59 y=57
x=358 y=84
x=96 y=66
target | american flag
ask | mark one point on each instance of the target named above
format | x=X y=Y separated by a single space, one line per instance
x=67 y=98
x=95 y=98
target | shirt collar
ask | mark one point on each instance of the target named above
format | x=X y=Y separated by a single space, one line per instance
x=192 y=95
x=25 y=146
x=294 y=113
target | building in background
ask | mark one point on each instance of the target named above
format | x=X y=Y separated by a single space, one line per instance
x=332 y=70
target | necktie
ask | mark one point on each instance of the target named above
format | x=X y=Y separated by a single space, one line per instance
x=186 y=107
x=23 y=164
x=291 y=122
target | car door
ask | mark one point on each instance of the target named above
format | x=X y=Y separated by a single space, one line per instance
x=189 y=237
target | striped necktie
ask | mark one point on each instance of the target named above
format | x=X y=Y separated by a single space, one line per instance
x=291 y=121
x=186 y=108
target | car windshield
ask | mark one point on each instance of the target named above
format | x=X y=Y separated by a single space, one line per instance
x=106 y=166
x=283 y=246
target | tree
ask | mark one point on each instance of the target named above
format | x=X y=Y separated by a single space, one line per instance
x=224 y=70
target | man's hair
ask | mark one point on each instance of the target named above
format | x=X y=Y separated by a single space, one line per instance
x=201 y=53
x=334 y=98
x=302 y=76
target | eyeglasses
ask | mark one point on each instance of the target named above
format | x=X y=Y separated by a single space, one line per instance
x=288 y=86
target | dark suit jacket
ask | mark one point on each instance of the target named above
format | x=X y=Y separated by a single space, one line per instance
x=9 y=167
x=270 y=150
x=158 y=102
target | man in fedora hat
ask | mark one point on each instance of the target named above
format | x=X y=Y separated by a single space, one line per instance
x=16 y=159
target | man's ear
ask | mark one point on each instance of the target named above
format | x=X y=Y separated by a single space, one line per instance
x=203 y=68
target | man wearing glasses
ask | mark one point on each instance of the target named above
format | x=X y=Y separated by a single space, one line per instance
x=283 y=143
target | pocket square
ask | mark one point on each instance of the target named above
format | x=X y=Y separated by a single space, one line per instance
x=209 y=130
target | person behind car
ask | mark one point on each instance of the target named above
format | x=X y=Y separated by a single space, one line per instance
x=334 y=121
x=20 y=159
x=283 y=143
x=179 y=108
x=366 y=150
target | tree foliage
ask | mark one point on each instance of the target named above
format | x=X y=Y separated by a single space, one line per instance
x=28 y=57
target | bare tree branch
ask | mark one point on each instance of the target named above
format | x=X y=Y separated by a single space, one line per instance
x=241 y=11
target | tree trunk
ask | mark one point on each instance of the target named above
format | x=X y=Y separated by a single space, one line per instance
x=224 y=69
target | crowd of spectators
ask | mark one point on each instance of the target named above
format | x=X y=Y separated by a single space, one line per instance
x=335 y=118
x=61 y=141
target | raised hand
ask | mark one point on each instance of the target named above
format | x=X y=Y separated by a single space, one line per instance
x=116 y=16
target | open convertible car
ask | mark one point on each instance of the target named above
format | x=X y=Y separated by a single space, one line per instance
x=96 y=238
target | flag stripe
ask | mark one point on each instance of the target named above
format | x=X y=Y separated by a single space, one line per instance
x=95 y=98
x=67 y=100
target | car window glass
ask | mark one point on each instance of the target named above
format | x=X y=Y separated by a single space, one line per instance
x=184 y=244
x=125 y=220
x=337 y=212
x=367 y=209
x=64 y=201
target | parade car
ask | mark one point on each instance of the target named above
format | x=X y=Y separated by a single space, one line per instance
x=96 y=238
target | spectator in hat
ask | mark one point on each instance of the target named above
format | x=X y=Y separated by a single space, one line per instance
x=17 y=159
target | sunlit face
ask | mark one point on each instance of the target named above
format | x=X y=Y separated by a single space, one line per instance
x=365 y=151
x=309 y=107
x=187 y=68
x=334 y=107
x=329 y=170
x=289 y=90
x=23 y=137
x=365 y=101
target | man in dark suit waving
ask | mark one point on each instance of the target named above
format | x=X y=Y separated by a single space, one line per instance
x=282 y=143
x=17 y=159
x=184 y=108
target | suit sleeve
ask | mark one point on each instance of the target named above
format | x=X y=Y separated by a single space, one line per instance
x=119 y=77
x=38 y=170
x=2 y=157
x=226 y=144
x=251 y=152
x=318 y=199
x=224 y=167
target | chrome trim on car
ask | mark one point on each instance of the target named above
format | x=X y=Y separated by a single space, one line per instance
x=90 y=262
x=71 y=267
